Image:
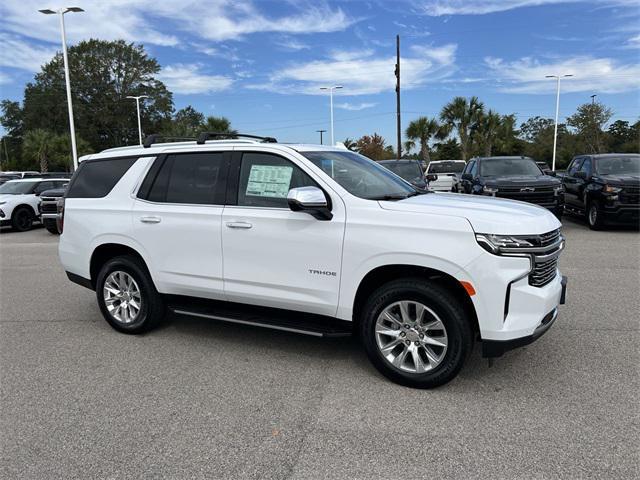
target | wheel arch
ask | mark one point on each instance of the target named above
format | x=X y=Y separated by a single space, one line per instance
x=24 y=205
x=387 y=273
x=106 y=251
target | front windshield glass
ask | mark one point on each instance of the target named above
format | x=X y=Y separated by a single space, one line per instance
x=446 y=167
x=17 y=188
x=618 y=165
x=408 y=171
x=499 y=167
x=361 y=176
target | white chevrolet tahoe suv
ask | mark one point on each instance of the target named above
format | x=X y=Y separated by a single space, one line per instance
x=310 y=239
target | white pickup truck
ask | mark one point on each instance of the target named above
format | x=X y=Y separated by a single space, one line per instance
x=310 y=239
x=448 y=173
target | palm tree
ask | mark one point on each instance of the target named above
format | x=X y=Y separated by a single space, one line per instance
x=488 y=130
x=218 y=125
x=421 y=130
x=38 y=144
x=462 y=115
x=350 y=144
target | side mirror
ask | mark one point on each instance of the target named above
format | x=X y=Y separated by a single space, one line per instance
x=552 y=173
x=310 y=200
x=467 y=176
x=432 y=177
x=582 y=175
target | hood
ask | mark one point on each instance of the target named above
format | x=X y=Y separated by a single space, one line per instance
x=627 y=179
x=54 y=192
x=13 y=198
x=486 y=214
x=523 y=181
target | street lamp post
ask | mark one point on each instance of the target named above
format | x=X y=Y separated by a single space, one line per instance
x=61 y=12
x=555 y=128
x=137 y=99
x=331 y=89
x=321 y=132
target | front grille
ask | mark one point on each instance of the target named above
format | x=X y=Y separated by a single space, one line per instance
x=543 y=273
x=630 y=195
x=538 y=196
x=51 y=207
x=548 y=238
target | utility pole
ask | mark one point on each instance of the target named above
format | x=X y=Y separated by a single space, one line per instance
x=398 y=96
x=137 y=99
x=61 y=12
x=593 y=99
x=321 y=132
x=555 y=128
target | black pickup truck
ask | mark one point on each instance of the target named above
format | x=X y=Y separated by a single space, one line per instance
x=516 y=178
x=604 y=188
x=49 y=200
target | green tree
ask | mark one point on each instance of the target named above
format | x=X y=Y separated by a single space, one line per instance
x=462 y=116
x=623 y=138
x=103 y=74
x=447 y=150
x=11 y=119
x=487 y=132
x=218 y=124
x=45 y=150
x=422 y=130
x=374 y=146
x=350 y=144
x=589 y=121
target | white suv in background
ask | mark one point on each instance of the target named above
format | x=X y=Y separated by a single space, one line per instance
x=20 y=200
x=448 y=172
x=310 y=239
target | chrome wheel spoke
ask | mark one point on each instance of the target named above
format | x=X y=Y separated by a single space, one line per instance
x=122 y=297
x=411 y=336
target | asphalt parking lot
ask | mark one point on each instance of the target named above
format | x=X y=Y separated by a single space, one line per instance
x=199 y=399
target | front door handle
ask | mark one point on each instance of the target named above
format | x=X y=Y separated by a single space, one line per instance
x=239 y=225
x=151 y=219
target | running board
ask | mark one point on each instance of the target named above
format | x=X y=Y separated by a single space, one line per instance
x=273 y=318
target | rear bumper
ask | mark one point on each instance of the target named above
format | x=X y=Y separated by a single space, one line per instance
x=496 y=348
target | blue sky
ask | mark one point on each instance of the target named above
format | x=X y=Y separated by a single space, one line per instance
x=261 y=63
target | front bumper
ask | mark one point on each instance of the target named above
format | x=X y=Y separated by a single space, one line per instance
x=620 y=213
x=496 y=348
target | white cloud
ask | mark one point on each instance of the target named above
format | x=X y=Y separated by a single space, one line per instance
x=137 y=20
x=348 y=55
x=361 y=76
x=4 y=78
x=437 y=8
x=527 y=75
x=355 y=106
x=291 y=44
x=18 y=53
x=188 y=79
x=633 y=42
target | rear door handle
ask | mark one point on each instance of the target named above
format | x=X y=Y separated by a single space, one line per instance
x=239 y=225
x=150 y=219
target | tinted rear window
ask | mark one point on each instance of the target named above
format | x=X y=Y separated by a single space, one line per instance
x=96 y=178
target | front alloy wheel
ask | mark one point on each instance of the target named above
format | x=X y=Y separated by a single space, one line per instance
x=122 y=297
x=411 y=337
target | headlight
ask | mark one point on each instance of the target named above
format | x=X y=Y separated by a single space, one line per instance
x=611 y=189
x=487 y=190
x=493 y=243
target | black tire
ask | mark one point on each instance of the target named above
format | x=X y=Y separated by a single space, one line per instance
x=22 y=219
x=558 y=212
x=152 y=308
x=450 y=313
x=595 y=216
x=51 y=226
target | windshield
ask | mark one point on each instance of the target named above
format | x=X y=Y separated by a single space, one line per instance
x=618 y=165
x=360 y=176
x=408 y=171
x=446 y=167
x=498 y=167
x=17 y=188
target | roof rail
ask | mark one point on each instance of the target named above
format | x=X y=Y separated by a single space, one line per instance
x=204 y=136
x=156 y=138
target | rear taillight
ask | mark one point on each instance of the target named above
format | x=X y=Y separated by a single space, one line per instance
x=60 y=210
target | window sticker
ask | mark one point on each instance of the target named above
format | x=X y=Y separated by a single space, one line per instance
x=269 y=181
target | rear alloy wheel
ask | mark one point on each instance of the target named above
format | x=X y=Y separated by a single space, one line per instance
x=127 y=296
x=22 y=219
x=416 y=332
x=594 y=216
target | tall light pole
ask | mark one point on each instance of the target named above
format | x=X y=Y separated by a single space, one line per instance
x=137 y=99
x=555 y=128
x=331 y=89
x=321 y=132
x=61 y=12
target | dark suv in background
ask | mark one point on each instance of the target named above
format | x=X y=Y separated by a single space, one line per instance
x=604 y=188
x=516 y=178
x=409 y=170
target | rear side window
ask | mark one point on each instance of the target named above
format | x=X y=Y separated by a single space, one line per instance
x=194 y=178
x=96 y=178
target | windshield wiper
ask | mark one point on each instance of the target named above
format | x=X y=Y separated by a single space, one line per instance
x=388 y=197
